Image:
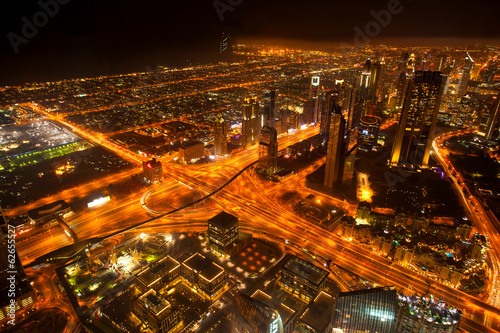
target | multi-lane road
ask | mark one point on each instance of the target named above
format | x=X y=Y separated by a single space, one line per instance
x=254 y=202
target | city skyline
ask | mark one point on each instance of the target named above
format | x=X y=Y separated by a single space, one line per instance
x=81 y=39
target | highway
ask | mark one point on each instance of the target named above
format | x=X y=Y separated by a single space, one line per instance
x=254 y=202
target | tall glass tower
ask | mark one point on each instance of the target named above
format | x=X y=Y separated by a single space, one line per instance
x=413 y=142
x=368 y=311
x=220 y=136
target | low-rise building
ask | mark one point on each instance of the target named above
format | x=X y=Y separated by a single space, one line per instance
x=158 y=275
x=49 y=212
x=152 y=171
x=302 y=279
x=317 y=316
x=156 y=312
x=204 y=274
x=191 y=151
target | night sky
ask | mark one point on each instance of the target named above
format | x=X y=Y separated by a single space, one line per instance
x=96 y=37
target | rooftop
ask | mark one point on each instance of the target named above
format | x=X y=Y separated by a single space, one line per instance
x=305 y=270
x=366 y=291
x=223 y=219
x=155 y=302
x=156 y=270
x=191 y=144
x=47 y=209
x=203 y=266
x=284 y=311
x=318 y=313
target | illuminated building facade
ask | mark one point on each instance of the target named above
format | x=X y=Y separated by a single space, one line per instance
x=156 y=313
x=365 y=89
x=349 y=102
x=401 y=80
x=152 y=171
x=465 y=77
x=314 y=93
x=317 y=316
x=48 y=212
x=252 y=122
x=222 y=232
x=269 y=107
x=425 y=315
x=329 y=106
x=369 y=127
x=413 y=142
x=158 y=275
x=226 y=47
x=204 y=275
x=258 y=317
x=369 y=311
x=336 y=151
x=377 y=69
x=302 y=279
x=308 y=112
x=220 y=136
x=492 y=126
x=191 y=151
x=268 y=149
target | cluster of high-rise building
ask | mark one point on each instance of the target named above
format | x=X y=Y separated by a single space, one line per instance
x=259 y=126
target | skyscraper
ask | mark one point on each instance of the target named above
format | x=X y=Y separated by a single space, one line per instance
x=441 y=62
x=413 y=142
x=349 y=104
x=251 y=122
x=308 y=112
x=313 y=92
x=376 y=78
x=401 y=80
x=446 y=76
x=365 y=89
x=464 y=78
x=220 y=135
x=268 y=149
x=335 y=152
x=401 y=85
x=403 y=63
x=314 y=96
x=369 y=311
x=492 y=133
x=226 y=47
x=329 y=105
x=269 y=107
